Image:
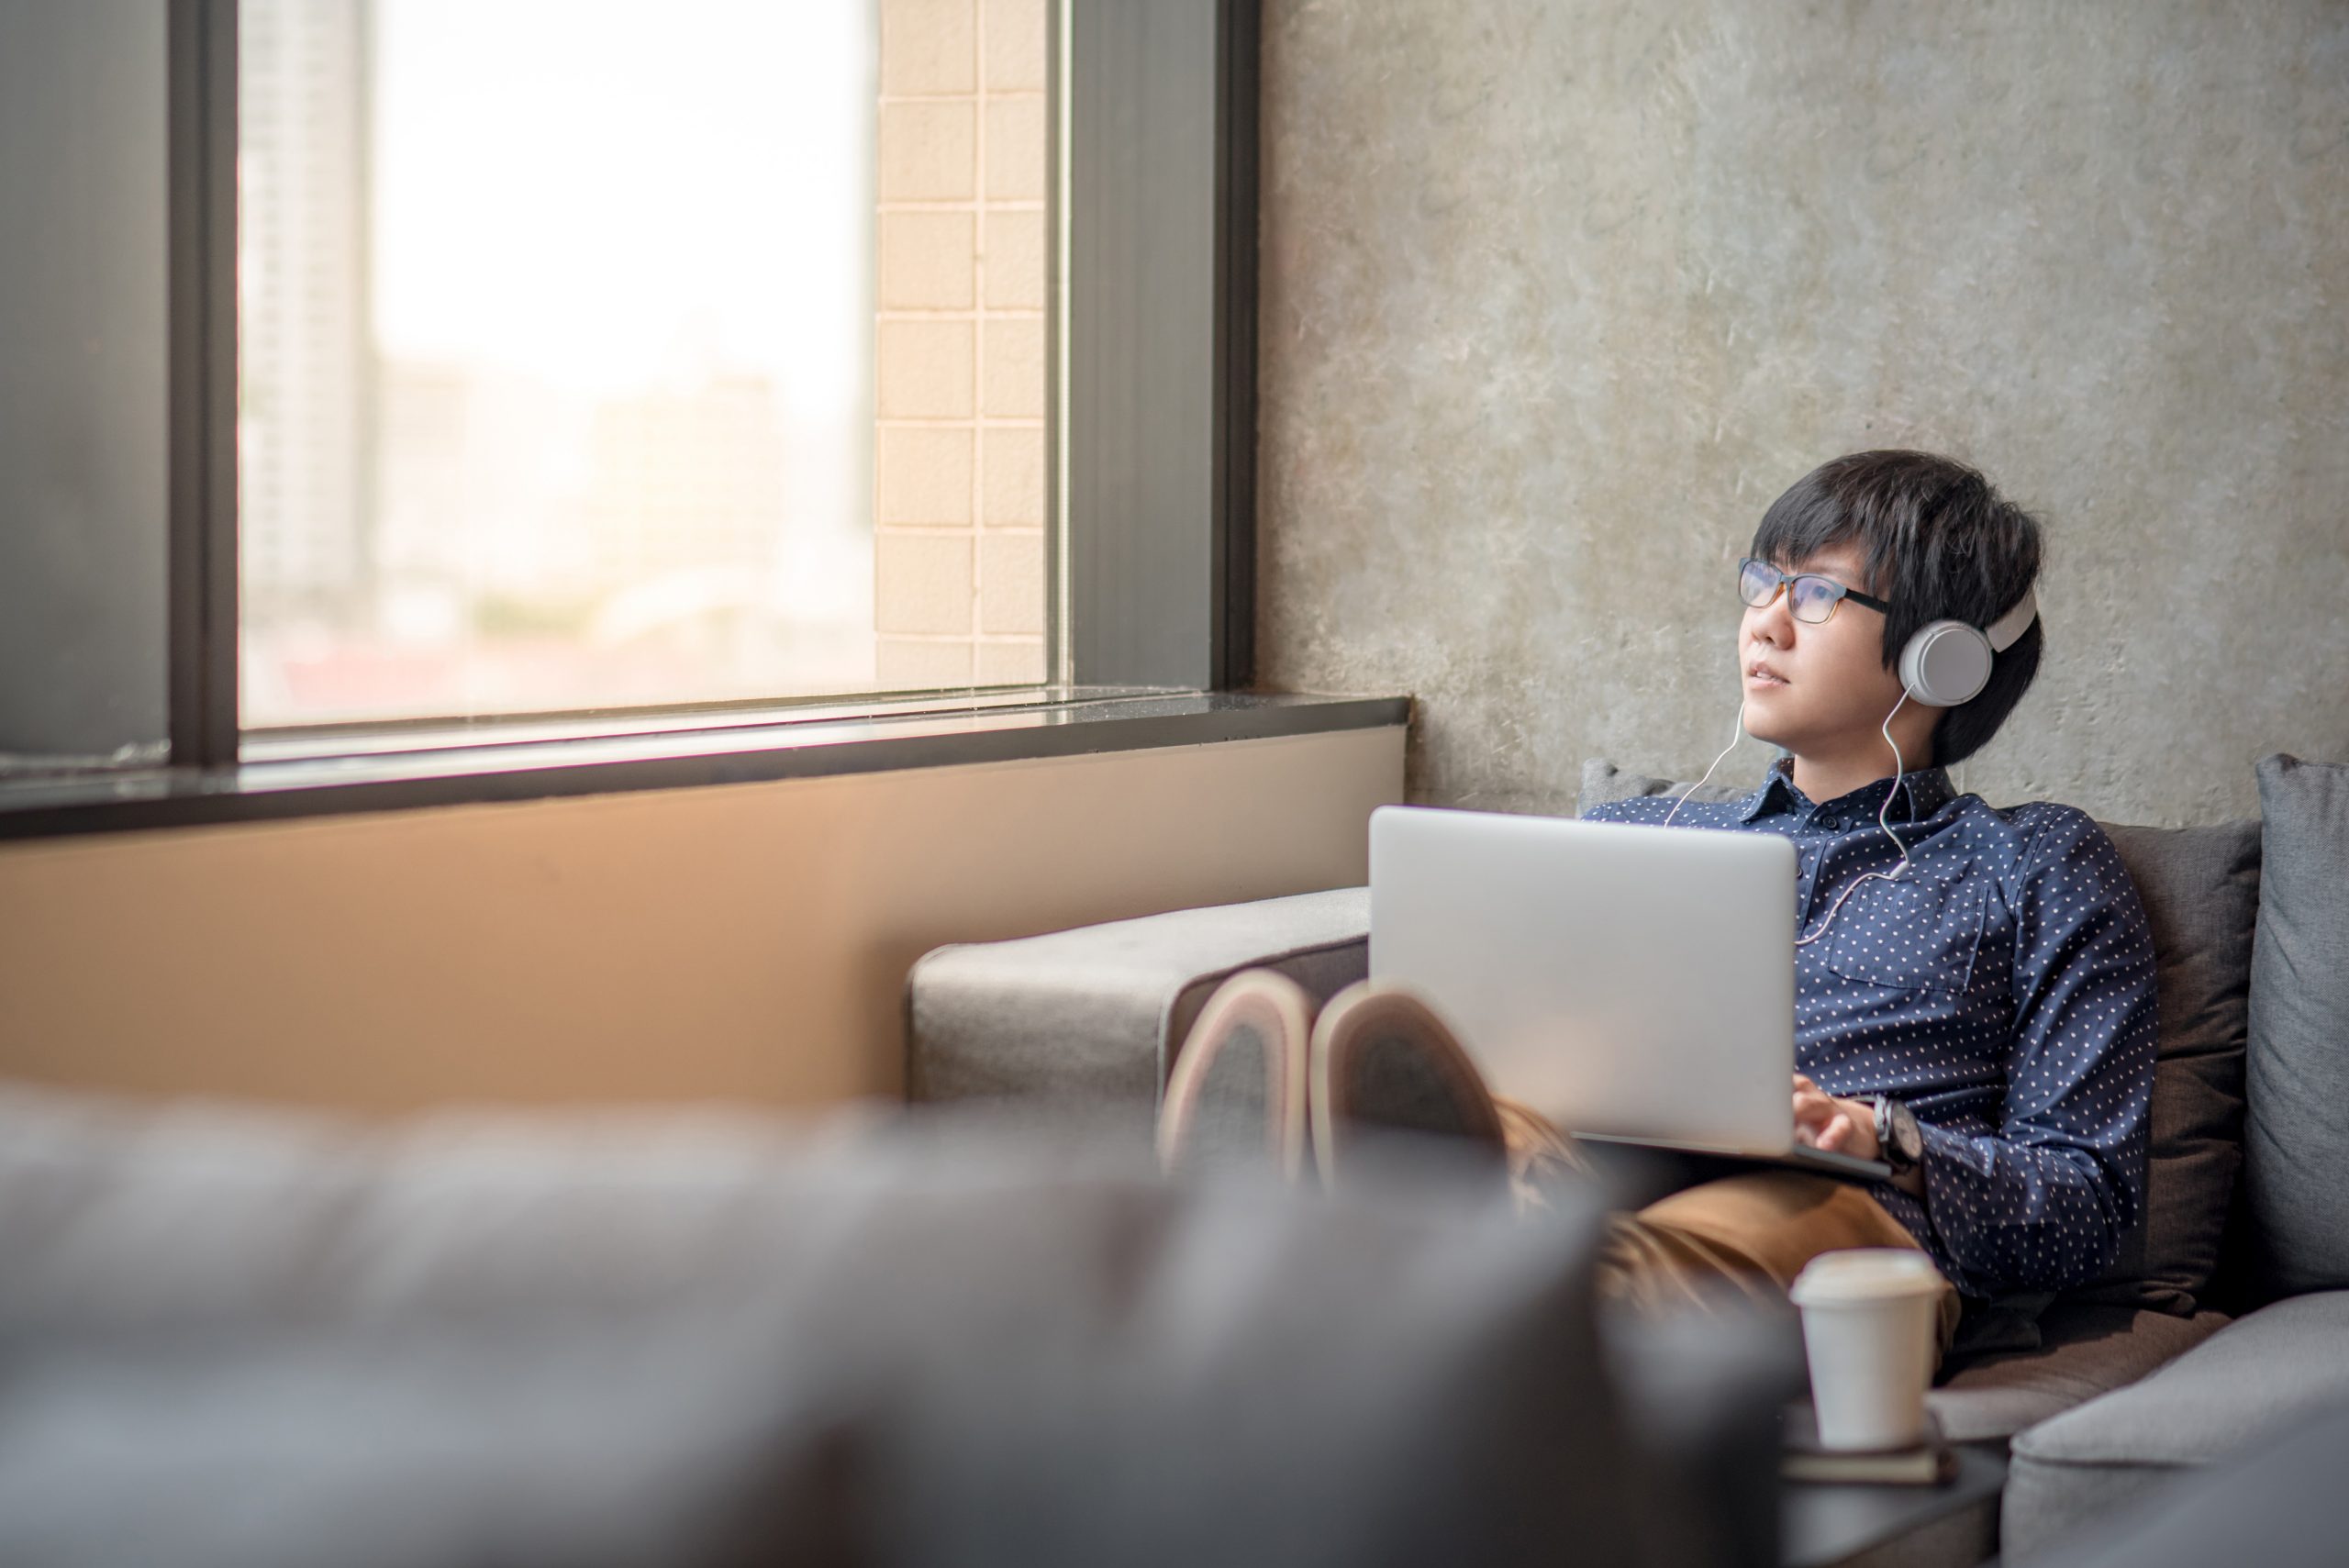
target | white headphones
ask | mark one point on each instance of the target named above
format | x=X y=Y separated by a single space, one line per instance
x=1945 y=663
x=1948 y=662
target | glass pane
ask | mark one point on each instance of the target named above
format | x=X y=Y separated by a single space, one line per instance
x=568 y=340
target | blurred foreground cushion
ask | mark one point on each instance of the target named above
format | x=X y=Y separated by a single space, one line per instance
x=240 y=1338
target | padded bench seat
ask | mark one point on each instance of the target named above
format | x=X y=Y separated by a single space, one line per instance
x=2086 y=1349
x=2256 y=1377
x=1091 y=1018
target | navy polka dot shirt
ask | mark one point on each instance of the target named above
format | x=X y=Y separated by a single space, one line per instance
x=2002 y=988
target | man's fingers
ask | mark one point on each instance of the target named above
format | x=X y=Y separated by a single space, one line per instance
x=1823 y=1130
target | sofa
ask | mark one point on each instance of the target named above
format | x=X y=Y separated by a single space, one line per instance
x=2226 y=1315
x=237 y=1336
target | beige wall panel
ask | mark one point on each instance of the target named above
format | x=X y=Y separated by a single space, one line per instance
x=744 y=942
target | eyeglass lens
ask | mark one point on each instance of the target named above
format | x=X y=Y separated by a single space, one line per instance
x=1809 y=598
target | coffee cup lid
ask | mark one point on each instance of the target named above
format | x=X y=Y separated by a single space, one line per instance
x=1854 y=1274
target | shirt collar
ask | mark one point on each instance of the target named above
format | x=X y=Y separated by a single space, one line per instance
x=1922 y=791
x=1775 y=792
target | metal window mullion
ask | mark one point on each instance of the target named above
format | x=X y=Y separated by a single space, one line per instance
x=202 y=93
x=1158 y=359
x=1233 y=544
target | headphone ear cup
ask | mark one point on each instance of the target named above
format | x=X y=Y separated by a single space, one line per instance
x=1947 y=662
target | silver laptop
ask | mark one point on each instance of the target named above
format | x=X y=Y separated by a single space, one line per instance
x=1629 y=983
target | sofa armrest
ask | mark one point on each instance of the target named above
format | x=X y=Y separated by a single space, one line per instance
x=1092 y=1018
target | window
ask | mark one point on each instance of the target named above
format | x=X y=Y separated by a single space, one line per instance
x=405 y=391
x=588 y=364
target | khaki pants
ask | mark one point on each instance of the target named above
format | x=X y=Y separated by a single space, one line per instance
x=1750 y=1234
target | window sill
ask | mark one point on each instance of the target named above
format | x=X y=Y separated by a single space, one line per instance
x=438 y=773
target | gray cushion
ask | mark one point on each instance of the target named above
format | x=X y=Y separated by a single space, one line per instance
x=252 y=1338
x=1602 y=782
x=1092 y=1017
x=2280 y=1364
x=2296 y=1148
x=2084 y=1348
x=2201 y=890
x=2279 y=1504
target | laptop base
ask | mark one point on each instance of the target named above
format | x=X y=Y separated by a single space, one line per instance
x=1729 y=1161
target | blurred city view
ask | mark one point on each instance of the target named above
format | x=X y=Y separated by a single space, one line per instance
x=558 y=343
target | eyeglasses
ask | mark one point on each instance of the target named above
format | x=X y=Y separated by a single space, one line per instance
x=1810 y=597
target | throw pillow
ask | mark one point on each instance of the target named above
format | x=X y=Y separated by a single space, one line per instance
x=2296 y=1148
x=1602 y=782
x=2201 y=890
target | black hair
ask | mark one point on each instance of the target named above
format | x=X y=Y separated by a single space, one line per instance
x=1939 y=543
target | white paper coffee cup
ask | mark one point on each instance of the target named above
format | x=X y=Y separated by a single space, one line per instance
x=1868 y=1317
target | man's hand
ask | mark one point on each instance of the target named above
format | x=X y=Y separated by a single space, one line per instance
x=1842 y=1126
x=1845 y=1127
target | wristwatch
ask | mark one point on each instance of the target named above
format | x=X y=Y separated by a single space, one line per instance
x=1898 y=1142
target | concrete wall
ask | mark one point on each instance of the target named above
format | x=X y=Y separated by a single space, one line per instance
x=746 y=943
x=1557 y=295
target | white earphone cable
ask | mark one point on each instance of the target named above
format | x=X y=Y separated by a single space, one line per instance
x=1736 y=735
x=1882 y=812
x=1900 y=767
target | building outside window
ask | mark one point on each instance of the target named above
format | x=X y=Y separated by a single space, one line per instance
x=594 y=360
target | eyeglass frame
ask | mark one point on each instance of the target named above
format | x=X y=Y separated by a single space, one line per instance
x=1787 y=579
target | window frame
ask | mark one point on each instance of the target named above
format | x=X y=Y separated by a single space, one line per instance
x=202 y=532
x=1158 y=411
x=1149 y=521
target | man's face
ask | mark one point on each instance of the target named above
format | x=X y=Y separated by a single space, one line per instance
x=1814 y=689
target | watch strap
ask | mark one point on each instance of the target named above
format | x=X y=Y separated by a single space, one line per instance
x=1887 y=1146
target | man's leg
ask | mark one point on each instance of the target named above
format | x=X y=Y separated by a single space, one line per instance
x=1752 y=1234
x=1382 y=1058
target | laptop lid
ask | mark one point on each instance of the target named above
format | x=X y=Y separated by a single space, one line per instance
x=1624 y=981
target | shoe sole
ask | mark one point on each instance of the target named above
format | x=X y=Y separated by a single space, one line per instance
x=1365 y=1010
x=1281 y=1012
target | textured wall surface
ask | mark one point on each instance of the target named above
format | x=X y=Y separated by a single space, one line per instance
x=1558 y=295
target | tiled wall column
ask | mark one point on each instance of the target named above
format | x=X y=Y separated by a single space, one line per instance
x=959 y=482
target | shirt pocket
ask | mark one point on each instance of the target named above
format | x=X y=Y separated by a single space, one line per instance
x=1913 y=933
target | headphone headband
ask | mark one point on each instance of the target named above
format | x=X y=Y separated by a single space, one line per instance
x=2001 y=633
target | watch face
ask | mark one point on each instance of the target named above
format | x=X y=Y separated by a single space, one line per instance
x=1905 y=1135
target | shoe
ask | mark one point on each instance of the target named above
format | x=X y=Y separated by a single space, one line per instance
x=1236 y=1096
x=1383 y=1063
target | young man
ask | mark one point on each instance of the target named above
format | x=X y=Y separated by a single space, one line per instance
x=1975 y=986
